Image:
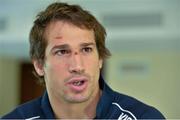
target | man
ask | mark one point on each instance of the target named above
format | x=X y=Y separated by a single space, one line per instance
x=67 y=48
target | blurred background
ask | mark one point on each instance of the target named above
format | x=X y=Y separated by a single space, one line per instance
x=143 y=36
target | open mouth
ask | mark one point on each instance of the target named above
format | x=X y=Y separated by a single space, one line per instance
x=78 y=83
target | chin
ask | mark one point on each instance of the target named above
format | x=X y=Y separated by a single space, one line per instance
x=77 y=98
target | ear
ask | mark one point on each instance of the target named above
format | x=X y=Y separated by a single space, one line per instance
x=38 y=67
x=100 y=63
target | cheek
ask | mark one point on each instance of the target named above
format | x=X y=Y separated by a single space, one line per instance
x=93 y=66
x=55 y=77
x=55 y=64
x=55 y=70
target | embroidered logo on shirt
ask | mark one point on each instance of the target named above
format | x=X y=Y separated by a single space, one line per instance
x=125 y=114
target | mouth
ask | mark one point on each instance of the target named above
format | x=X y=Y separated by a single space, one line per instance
x=77 y=84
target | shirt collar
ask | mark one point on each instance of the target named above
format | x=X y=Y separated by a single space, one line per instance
x=46 y=107
x=105 y=100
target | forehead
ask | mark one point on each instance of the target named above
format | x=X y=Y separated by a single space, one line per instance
x=57 y=27
x=60 y=32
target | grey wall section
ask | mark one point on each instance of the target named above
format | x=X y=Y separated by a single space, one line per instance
x=9 y=84
x=18 y=50
x=152 y=77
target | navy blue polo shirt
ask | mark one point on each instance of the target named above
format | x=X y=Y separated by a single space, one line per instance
x=112 y=105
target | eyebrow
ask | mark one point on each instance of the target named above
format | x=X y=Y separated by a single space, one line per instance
x=63 y=46
x=87 y=44
x=66 y=46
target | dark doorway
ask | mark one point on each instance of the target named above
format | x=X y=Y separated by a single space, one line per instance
x=30 y=89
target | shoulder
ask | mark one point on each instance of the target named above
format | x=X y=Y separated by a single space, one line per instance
x=129 y=106
x=26 y=110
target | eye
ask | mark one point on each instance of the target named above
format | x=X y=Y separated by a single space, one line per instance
x=87 y=49
x=61 y=52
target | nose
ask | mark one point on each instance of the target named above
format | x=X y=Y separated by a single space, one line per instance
x=76 y=64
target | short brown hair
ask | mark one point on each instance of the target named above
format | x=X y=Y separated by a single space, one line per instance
x=73 y=14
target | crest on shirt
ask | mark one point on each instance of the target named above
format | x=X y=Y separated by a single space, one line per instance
x=125 y=114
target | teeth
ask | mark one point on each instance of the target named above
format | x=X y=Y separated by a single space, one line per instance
x=77 y=83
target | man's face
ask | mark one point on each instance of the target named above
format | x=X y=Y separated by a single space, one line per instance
x=72 y=65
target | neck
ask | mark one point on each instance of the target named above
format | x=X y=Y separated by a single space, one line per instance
x=84 y=110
